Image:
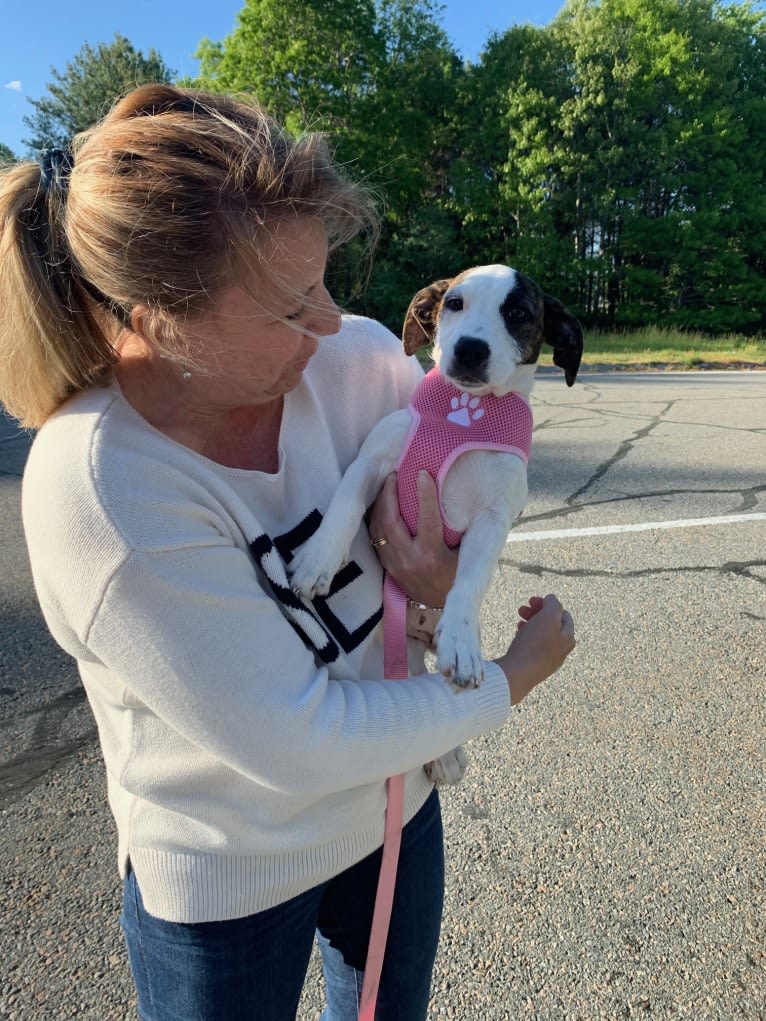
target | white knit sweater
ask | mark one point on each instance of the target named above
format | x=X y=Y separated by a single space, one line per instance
x=247 y=739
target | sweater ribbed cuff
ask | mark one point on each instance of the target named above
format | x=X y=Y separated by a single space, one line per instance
x=494 y=698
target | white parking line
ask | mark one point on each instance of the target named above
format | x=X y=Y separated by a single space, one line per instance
x=647 y=526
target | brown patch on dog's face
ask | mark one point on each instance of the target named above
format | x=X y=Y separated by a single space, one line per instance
x=421 y=319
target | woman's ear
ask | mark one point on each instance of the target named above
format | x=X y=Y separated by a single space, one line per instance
x=139 y=322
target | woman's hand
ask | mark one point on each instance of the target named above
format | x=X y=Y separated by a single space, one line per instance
x=544 y=639
x=421 y=564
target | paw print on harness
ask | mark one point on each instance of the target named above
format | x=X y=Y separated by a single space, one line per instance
x=465 y=409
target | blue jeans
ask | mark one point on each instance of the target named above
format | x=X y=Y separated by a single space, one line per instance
x=253 y=969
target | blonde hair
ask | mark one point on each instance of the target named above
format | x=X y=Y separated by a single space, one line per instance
x=171 y=197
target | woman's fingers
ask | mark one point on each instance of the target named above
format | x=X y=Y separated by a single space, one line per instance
x=533 y=606
x=567 y=624
x=551 y=604
x=422 y=565
x=430 y=528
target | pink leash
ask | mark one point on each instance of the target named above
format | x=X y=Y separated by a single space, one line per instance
x=395 y=666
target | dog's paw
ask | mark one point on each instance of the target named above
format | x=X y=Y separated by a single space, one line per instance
x=449 y=768
x=313 y=568
x=458 y=655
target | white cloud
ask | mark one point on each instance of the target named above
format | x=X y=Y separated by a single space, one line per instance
x=14 y=86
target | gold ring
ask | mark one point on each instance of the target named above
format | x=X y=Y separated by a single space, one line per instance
x=377 y=543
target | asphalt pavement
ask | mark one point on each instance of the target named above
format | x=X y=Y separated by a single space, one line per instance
x=606 y=850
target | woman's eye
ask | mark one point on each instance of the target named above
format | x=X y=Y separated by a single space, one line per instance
x=295 y=315
x=454 y=304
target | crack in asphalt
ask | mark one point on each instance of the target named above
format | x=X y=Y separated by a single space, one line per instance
x=63 y=703
x=604 y=411
x=573 y=503
x=741 y=569
x=749 y=497
x=21 y=775
x=622 y=452
x=44 y=749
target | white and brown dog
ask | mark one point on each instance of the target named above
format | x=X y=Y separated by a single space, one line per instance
x=487 y=326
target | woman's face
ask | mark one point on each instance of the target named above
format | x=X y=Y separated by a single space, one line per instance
x=257 y=349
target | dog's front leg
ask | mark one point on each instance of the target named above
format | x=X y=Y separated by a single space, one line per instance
x=500 y=492
x=320 y=558
x=458 y=641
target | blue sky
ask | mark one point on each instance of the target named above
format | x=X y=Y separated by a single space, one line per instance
x=50 y=33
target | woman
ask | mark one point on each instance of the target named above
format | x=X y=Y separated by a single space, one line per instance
x=165 y=321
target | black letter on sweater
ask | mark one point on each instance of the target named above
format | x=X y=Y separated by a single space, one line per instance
x=348 y=640
x=297 y=615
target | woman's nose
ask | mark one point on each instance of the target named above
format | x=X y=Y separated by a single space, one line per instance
x=325 y=319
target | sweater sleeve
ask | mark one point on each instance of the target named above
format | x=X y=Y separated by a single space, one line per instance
x=195 y=641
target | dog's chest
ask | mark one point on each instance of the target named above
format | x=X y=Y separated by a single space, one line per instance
x=451 y=436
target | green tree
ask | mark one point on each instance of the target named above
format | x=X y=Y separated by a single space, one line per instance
x=84 y=91
x=306 y=60
x=503 y=172
x=668 y=185
x=407 y=146
x=634 y=171
x=379 y=78
x=6 y=155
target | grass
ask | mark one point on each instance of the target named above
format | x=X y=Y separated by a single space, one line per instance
x=670 y=349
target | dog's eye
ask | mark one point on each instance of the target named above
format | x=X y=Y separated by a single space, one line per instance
x=454 y=304
x=518 y=314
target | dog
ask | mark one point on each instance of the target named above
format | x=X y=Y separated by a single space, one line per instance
x=487 y=327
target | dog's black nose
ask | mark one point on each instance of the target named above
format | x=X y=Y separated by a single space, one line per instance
x=470 y=353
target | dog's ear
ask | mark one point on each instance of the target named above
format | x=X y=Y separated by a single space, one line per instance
x=420 y=322
x=564 y=334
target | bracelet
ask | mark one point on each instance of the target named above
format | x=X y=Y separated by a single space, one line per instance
x=422 y=606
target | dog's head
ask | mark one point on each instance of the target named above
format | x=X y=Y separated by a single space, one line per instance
x=487 y=326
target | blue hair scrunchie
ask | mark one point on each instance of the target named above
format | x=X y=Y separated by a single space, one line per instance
x=55 y=168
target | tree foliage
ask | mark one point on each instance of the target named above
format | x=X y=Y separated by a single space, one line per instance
x=616 y=155
x=82 y=93
x=625 y=124
x=378 y=77
x=6 y=155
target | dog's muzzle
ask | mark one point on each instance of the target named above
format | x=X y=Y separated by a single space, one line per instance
x=470 y=360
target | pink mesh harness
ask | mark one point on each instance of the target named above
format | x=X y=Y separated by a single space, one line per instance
x=446 y=422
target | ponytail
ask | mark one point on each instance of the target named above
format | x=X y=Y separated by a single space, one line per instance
x=53 y=338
